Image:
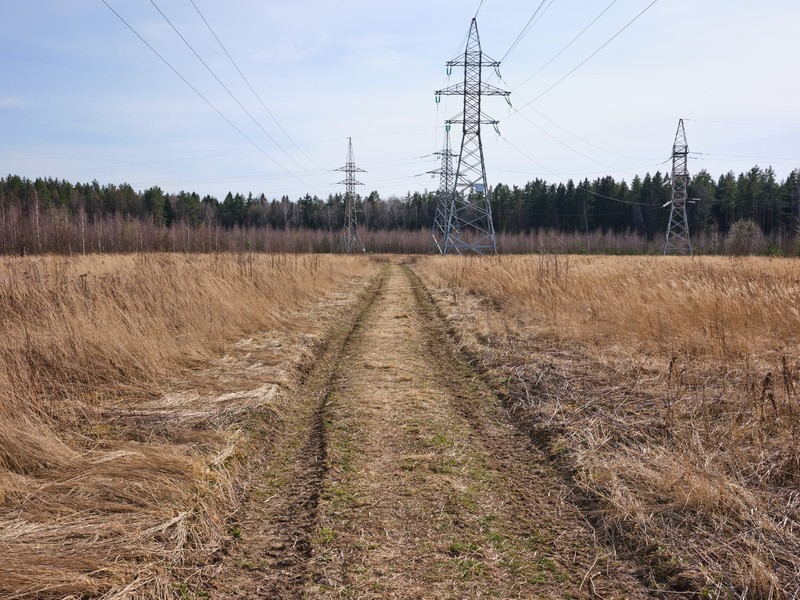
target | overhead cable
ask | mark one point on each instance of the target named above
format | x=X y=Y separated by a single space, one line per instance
x=231 y=94
x=745 y=124
x=196 y=91
x=557 y=126
x=528 y=26
x=233 y=62
x=592 y=55
x=564 y=49
x=554 y=174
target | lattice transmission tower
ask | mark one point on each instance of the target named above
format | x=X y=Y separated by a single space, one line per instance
x=350 y=241
x=678 y=241
x=444 y=195
x=467 y=222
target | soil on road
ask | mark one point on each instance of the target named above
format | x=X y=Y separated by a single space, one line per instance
x=399 y=475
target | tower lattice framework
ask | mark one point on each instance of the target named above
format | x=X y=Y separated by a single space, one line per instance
x=444 y=195
x=351 y=240
x=467 y=219
x=678 y=241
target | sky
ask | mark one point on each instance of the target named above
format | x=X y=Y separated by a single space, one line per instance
x=108 y=90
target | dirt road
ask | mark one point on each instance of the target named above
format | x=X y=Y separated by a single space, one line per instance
x=400 y=476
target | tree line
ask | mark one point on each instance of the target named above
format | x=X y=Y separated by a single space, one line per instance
x=602 y=206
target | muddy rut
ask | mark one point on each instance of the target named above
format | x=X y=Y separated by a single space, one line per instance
x=399 y=475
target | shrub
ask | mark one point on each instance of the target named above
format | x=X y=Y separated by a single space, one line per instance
x=744 y=238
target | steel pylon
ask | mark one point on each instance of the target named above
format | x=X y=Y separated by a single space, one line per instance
x=444 y=195
x=350 y=240
x=467 y=222
x=678 y=241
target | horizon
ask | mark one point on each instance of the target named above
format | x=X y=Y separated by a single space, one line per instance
x=84 y=99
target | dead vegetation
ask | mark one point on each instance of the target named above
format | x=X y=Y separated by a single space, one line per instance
x=666 y=391
x=120 y=426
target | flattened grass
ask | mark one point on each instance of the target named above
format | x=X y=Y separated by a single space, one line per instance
x=109 y=485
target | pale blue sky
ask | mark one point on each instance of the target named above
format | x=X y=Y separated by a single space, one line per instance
x=82 y=98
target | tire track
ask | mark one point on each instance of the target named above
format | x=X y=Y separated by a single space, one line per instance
x=431 y=491
x=398 y=475
x=274 y=529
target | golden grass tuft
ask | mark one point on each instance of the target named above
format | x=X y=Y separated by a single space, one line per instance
x=667 y=389
x=115 y=477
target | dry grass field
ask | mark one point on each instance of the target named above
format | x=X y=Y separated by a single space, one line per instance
x=125 y=384
x=185 y=426
x=665 y=389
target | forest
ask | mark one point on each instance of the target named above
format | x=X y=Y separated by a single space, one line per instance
x=604 y=206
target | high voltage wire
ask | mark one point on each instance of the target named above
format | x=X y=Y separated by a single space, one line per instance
x=748 y=156
x=592 y=55
x=575 y=39
x=563 y=143
x=576 y=137
x=746 y=124
x=554 y=174
x=183 y=153
x=528 y=26
x=231 y=94
x=211 y=105
x=373 y=135
x=518 y=111
x=635 y=170
x=196 y=91
x=233 y=62
x=557 y=126
x=530 y=158
x=261 y=177
x=532 y=22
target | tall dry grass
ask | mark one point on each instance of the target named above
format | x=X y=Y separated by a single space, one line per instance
x=660 y=306
x=109 y=485
x=667 y=388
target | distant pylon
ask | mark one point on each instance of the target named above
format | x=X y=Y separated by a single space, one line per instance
x=444 y=195
x=678 y=241
x=468 y=219
x=350 y=241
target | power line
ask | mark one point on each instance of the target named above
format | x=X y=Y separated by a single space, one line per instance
x=567 y=146
x=588 y=58
x=541 y=166
x=744 y=160
x=563 y=143
x=573 y=215
x=580 y=139
x=185 y=153
x=530 y=158
x=479 y=9
x=231 y=94
x=564 y=49
x=374 y=135
x=542 y=115
x=528 y=26
x=745 y=124
x=573 y=174
x=747 y=155
x=196 y=91
x=233 y=62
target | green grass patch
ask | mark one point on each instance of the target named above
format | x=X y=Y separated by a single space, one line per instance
x=469 y=568
x=324 y=536
x=459 y=548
